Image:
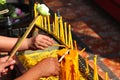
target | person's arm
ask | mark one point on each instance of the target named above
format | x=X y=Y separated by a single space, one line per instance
x=7 y=43
x=45 y=68
x=37 y=42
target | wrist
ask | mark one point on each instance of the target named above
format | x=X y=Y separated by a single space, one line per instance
x=29 y=43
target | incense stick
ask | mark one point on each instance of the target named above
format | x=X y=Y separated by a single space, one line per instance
x=63 y=55
x=23 y=37
x=82 y=51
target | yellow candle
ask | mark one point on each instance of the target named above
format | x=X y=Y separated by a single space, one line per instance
x=35 y=11
x=53 y=25
x=62 y=30
x=45 y=23
x=38 y=22
x=70 y=37
x=106 y=76
x=95 y=68
x=48 y=20
x=55 y=28
x=66 y=40
x=42 y=22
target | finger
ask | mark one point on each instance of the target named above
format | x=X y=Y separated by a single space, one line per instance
x=39 y=47
x=4 y=59
x=48 y=39
x=47 y=42
x=4 y=72
x=42 y=44
x=8 y=63
x=11 y=67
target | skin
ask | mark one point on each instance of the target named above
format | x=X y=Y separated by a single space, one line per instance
x=46 y=67
x=33 y=43
x=4 y=64
x=50 y=67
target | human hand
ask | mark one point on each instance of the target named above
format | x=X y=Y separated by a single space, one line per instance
x=6 y=65
x=48 y=67
x=45 y=68
x=40 y=42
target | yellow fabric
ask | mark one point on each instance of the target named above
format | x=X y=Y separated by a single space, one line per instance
x=29 y=60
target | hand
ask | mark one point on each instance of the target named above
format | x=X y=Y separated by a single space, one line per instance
x=49 y=67
x=45 y=68
x=6 y=65
x=40 y=42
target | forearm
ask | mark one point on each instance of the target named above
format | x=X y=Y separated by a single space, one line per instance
x=6 y=43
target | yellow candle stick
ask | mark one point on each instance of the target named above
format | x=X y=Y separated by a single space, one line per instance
x=38 y=22
x=69 y=33
x=45 y=23
x=55 y=28
x=35 y=11
x=70 y=37
x=66 y=39
x=62 y=30
x=106 y=76
x=95 y=68
x=41 y=22
x=48 y=20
